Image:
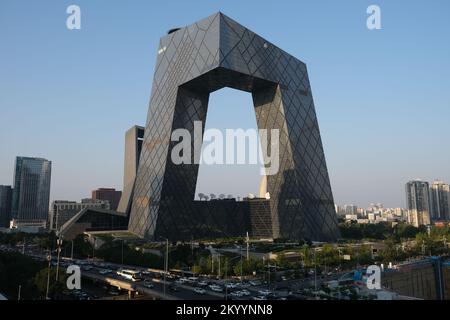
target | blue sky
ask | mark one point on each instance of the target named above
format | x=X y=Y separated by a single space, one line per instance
x=382 y=97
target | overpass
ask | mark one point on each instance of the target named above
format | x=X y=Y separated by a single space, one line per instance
x=131 y=287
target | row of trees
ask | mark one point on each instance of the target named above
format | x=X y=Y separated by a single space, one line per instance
x=378 y=231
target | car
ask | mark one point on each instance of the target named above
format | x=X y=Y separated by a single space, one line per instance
x=255 y=283
x=114 y=291
x=199 y=291
x=244 y=284
x=265 y=292
x=236 y=294
x=216 y=288
x=104 y=271
x=203 y=283
x=245 y=292
x=148 y=285
x=231 y=285
x=259 y=298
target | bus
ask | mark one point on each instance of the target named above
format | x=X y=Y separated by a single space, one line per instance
x=130 y=275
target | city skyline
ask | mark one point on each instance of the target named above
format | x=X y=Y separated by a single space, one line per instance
x=369 y=93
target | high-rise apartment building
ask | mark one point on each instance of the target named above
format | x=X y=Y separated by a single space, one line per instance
x=5 y=206
x=418 y=203
x=31 y=193
x=440 y=201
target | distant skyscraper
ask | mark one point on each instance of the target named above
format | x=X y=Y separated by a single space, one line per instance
x=351 y=209
x=5 y=205
x=108 y=194
x=418 y=204
x=31 y=194
x=440 y=201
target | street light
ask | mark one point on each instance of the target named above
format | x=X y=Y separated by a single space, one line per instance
x=166 y=264
x=49 y=259
x=226 y=272
x=122 y=252
x=59 y=243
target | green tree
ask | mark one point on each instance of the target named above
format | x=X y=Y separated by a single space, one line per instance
x=56 y=288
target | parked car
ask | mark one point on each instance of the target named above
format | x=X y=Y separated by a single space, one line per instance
x=199 y=291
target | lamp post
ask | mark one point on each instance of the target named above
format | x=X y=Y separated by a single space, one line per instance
x=226 y=273
x=315 y=274
x=59 y=243
x=166 y=264
x=49 y=259
x=241 y=261
x=122 y=252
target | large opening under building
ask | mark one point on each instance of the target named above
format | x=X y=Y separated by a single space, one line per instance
x=233 y=110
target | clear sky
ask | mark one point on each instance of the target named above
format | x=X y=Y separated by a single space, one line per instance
x=382 y=96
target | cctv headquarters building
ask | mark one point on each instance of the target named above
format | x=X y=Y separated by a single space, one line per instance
x=159 y=196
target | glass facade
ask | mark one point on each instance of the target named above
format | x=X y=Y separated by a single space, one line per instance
x=31 y=194
x=5 y=206
x=192 y=62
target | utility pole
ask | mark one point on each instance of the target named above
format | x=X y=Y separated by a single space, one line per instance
x=315 y=274
x=59 y=243
x=71 y=252
x=49 y=258
x=192 y=253
x=248 y=242
x=240 y=249
x=18 y=295
x=219 y=266
x=93 y=250
x=167 y=265
x=122 y=251
x=226 y=282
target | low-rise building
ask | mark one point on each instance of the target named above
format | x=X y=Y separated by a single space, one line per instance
x=62 y=210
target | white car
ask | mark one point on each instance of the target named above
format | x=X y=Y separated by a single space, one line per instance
x=203 y=283
x=215 y=288
x=199 y=291
x=264 y=292
x=245 y=292
x=236 y=294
